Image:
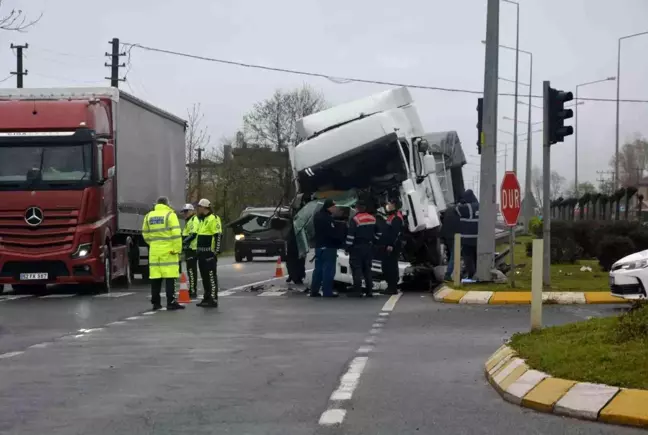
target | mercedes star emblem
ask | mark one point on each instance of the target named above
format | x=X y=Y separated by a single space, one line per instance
x=34 y=216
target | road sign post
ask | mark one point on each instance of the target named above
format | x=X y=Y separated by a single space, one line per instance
x=510 y=204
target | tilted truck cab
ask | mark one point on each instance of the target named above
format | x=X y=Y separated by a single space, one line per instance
x=374 y=148
x=79 y=168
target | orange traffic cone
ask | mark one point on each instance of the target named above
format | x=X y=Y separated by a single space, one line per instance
x=183 y=294
x=279 y=270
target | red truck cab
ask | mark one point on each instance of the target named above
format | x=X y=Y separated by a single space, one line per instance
x=57 y=200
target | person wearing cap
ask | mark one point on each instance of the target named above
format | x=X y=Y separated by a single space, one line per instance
x=327 y=242
x=189 y=245
x=391 y=240
x=161 y=231
x=208 y=245
x=359 y=245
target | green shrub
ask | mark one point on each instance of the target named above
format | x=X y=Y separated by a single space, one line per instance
x=565 y=251
x=612 y=248
x=535 y=227
x=584 y=234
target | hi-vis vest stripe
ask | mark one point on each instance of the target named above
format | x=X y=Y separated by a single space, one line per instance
x=159 y=220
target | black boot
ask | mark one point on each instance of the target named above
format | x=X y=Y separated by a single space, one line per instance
x=174 y=306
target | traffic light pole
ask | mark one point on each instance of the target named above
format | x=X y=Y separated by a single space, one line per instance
x=546 y=186
x=488 y=173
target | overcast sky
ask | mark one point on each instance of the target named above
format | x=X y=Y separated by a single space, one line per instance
x=429 y=42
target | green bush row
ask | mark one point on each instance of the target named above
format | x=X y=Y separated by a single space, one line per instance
x=607 y=241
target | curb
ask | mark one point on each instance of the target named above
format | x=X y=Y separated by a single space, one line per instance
x=517 y=383
x=480 y=297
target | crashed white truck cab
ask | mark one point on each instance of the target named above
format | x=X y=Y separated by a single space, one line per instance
x=374 y=148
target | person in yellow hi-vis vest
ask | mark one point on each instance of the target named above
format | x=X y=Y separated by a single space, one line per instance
x=189 y=244
x=161 y=230
x=208 y=247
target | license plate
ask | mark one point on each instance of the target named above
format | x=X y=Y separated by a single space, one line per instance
x=33 y=276
x=258 y=251
x=611 y=280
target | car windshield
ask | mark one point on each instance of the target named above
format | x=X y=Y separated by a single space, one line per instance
x=34 y=166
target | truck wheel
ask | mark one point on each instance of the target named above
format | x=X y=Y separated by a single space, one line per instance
x=1 y=289
x=249 y=258
x=106 y=285
x=238 y=258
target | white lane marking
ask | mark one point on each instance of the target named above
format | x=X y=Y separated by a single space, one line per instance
x=56 y=296
x=149 y=313
x=11 y=354
x=225 y=293
x=391 y=302
x=114 y=295
x=378 y=325
x=364 y=349
x=13 y=297
x=241 y=287
x=375 y=331
x=332 y=417
x=79 y=336
x=134 y=318
x=38 y=346
x=119 y=322
x=272 y=293
x=384 y=314
x=350 y=380
x=370 y=340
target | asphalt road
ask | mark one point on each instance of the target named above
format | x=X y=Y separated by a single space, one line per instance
x=267 y=362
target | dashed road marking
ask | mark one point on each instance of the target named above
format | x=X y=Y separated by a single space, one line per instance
x=118 y=322
x=114 y=295
x=13 y=297
x=38 y=346
x=272 y=293
x=335 y=413
x=134 y=318
x=11 y=354
x=57 y=296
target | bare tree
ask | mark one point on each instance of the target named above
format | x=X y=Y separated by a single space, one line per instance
x=536 y=184
x=272 y=123
x=16 y=20
x=197 y=137
x=633 y=161
x=557 y=184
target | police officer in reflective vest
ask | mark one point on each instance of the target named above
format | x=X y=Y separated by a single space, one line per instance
x=359 y=245
x=189 y=234
x=468 y=211
x=391 y=240
x=208 y=246
x=161 y=230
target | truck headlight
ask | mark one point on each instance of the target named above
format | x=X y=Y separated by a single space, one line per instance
x=83 y=250
x=239 y=237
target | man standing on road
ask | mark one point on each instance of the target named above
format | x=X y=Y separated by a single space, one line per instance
x=327 y=242
x=161 y=231
x=189 y=234
x=208 y=247
x=391 y=238
x=359 y=246
x=468 y=210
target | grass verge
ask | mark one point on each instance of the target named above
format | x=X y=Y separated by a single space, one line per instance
x=612 y=351
x=564 y=277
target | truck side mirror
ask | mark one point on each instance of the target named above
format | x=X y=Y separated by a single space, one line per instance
x=429 y=162
x=108 y=159
x=423 y=146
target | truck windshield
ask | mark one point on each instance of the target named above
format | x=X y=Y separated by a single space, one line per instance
x=46 y=166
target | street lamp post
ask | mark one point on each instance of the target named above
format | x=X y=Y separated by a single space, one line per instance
x=517 y=65
x=576 y=130
x=616 y=148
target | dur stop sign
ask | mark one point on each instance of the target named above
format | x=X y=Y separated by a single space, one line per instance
x=510 y=199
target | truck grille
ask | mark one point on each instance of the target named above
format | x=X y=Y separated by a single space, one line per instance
x=54 y=233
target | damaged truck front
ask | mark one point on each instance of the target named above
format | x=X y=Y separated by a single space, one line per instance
x=376 y=148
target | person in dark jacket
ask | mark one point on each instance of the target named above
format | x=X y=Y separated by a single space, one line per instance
x=296 y=265
x=468 y=211
x=450 y=227
x=391 y=241
x=359 y=245
x=327 y=242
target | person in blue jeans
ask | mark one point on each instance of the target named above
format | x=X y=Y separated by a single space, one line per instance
x=327 y=242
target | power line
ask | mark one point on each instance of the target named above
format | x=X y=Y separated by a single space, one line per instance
x=341 y=80
x=6 y=78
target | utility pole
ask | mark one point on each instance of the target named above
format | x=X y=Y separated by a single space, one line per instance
x=114 y=63
x=199 y=183
x=19 y=73
x=488 y=173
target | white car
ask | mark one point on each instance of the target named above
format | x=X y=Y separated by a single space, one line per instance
x=629 y=276
x=343 y=271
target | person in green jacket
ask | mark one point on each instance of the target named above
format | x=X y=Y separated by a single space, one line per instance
x=208 y=247
x=190 y=243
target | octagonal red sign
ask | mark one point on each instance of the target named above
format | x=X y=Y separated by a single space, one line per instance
x=510 y=198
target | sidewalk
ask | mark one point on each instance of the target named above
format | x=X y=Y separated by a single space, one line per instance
x=449 y=295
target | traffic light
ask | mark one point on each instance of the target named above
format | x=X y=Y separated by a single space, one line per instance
x=480 y=118
x=558 y=114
